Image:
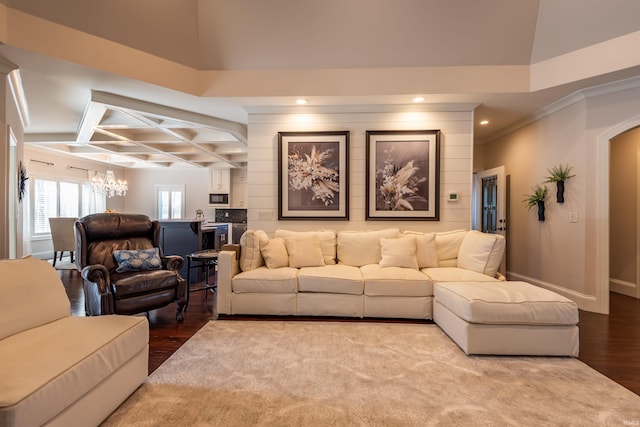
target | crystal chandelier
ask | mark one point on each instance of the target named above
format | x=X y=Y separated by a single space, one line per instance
x=107 y=184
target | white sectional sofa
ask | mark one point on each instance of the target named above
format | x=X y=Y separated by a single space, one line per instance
x=380 y=273
x=391 y=273
x=58 y=369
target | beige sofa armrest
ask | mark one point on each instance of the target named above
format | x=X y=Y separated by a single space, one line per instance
x=228 y=266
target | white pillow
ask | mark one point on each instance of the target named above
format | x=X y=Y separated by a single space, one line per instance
x=399 y=252
x=426 y=251
x=448 y=244
x=250 y=256
x=304 y=251
x=358 y=248
x=327 y=241
x=497 y=254
x=274 y=253
x=475 y=250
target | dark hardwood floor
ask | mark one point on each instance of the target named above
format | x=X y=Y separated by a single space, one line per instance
x=609 y=344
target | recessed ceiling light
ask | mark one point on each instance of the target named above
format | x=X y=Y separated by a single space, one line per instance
x=301 y=101
x=484 y=122
x=418 y=99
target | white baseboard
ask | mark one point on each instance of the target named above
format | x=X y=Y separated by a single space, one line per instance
x=622 y=287
x=585 y=302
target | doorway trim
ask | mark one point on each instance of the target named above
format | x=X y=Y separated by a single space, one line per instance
x=501 y=212
x=603 y=167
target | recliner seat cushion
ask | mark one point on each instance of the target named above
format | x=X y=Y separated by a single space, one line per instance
x=128 y=284
x=511 y=303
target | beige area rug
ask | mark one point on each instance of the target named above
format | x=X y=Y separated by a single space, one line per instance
x=298 y=373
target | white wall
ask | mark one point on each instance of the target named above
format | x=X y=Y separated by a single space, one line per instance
x=456 y=161
x=10 y=120
x=141 y=197
x=41 y=163
x=571 y=258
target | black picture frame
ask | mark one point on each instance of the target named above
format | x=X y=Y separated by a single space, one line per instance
x=313 y=175
x=403 y=175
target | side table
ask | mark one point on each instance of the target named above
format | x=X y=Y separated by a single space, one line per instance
x=206 y=259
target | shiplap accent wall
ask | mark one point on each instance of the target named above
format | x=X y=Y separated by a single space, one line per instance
x=456 y=154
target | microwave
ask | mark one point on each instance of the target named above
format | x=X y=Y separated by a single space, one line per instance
x=218 y=198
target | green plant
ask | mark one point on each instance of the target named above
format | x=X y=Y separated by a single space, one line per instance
x=539 y=194
x=559 y=173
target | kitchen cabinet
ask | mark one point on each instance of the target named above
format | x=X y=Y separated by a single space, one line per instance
x=220 y=181
x=183 y=237
x=239 y=188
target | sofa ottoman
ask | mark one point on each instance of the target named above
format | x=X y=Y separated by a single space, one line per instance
x=506 y=318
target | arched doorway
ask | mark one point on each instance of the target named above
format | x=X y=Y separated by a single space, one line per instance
x=624 y=199
x=602 y=190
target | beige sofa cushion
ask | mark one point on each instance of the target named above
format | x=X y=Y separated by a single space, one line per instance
x=395 y=281
x=497 y=254
x=68 y=358
x=335 y=279
x=447 y=246
x=304 y=251
x=327 y=241
x=481 y=252
x=264 y=280
x=511 y=303
x=250 y=255
x=455 y=274
x=32 y=295
x=426 y=251
x=274 y=252
x=399 y=252
x=358 y=248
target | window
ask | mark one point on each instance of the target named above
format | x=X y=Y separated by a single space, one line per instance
x=170 y=201
x=53 y=198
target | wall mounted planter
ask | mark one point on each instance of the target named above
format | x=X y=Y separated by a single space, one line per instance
x=536 y=198
x=560 y=192
x=541 y=210
x=559 y=174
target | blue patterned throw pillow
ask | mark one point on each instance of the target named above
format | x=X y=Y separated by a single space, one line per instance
x=138 y=260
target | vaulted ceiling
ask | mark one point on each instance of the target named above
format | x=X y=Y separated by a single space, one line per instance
x=168 y=84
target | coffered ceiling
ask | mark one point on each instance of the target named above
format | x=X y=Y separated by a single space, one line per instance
x=132 y=133
x=169 y=84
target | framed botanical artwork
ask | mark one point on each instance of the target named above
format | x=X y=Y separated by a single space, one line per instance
x=403 y=175
x=313 y=175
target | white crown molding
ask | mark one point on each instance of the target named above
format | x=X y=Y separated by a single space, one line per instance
x=567 y=101
x=17 y=91
x=346 y=109
x=12 y=71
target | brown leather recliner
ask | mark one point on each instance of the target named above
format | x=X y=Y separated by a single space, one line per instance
x=109 y=292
